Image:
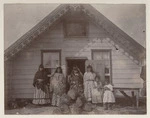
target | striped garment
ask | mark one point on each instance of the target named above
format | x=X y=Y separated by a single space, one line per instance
x=41 y=97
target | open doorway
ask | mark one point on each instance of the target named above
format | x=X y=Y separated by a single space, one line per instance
x=79 y=62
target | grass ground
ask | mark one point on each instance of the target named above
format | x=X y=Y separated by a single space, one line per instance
x=122 y=106
x=117 y=109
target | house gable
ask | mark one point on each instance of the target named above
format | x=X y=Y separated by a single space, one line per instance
x=119 y=38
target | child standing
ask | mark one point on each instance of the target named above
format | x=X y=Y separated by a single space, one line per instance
x=108 y=98
x=97 y=91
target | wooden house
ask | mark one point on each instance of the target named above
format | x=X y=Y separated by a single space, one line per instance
x=73 y=34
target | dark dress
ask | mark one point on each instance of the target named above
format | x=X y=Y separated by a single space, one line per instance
x=41 y=84
x=76 y=83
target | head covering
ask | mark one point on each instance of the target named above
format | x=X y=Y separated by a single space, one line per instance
x=75 y=68
x=41 y=66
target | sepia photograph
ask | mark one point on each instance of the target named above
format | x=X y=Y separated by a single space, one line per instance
x=75 y=59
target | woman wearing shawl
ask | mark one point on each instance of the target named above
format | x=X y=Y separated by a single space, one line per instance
x=58 y=86
x=41 y=84
x=89 y=78
x=75 y=80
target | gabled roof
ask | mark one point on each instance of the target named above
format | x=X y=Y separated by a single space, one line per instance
x=119 y=37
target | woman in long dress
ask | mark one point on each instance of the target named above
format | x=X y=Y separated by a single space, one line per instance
x=58 y=86
x=75 y=80
x=89 y=84
x=41 y=84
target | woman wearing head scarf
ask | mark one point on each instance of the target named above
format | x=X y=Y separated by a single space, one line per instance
x=58 y=86
x=75 y=80
x=89 y=78
x=40 y=82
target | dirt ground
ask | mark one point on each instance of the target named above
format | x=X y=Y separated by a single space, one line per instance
x=117 y=109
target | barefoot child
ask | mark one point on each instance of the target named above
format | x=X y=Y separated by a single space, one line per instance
x=108 y=98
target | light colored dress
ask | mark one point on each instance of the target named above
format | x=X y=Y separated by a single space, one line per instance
x=108 y=95
x=58 y=88
x=88 y=85
x=97 y=93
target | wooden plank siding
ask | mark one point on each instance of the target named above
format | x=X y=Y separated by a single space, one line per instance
x=124 y=71
x=7 y=80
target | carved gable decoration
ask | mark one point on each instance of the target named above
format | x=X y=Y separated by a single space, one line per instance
x=124 y=41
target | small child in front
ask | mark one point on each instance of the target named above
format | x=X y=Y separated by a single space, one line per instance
x=108 y=97
x=97 y=91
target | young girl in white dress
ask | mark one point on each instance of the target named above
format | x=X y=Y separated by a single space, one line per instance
x=108 y=97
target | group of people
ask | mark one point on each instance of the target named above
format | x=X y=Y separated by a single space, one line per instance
x=49 y=90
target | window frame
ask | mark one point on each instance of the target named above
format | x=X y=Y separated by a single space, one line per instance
x=76 y=21
x=110 y=54
x=51 y=51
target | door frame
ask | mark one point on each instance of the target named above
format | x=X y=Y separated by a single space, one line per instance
x=75 y=58
x=69 y=58
x=104 y=50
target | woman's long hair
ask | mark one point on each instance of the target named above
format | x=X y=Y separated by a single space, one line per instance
x=89 y=66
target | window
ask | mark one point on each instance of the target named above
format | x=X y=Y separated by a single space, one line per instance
x=51 y=59
x=75 y=29
x=105 y=56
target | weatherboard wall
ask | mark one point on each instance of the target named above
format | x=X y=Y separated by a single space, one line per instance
x=125 y=72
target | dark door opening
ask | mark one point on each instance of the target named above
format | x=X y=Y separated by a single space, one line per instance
x=80 y=63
